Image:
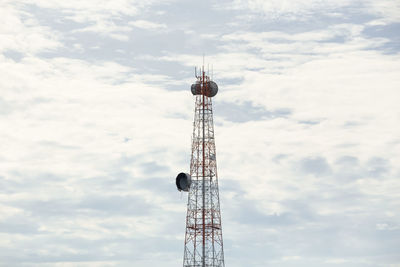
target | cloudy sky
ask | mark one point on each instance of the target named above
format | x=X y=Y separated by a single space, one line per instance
x=96 y=116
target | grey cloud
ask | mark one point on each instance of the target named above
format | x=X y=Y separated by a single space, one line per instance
x=72 y=249
x=377 y=166
x=116 y=204
x=153 y=167
x=279 y=157
x=347 y=161
x=57 y=145
x=164 y=186
x=310 y=122
x=248 y=112
x=389 y=32
x=8 y=107
x=317 y=166
x=142 y=48
x=348 y=124
x=349 y=167
x=94 y=205
x=14 y=55
x=16 y=181
x=233 y=81
x=248 y=212
x=347 y=145
x=5 y=107
x=310 y=235
x=345 y=168
x=19 y=225
x=231 y=186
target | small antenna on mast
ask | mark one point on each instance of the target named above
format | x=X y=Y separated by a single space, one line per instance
x=203 y=61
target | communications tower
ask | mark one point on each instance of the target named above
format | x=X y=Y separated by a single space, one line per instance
x=203 y=238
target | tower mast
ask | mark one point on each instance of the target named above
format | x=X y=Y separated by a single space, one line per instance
x=203 y=237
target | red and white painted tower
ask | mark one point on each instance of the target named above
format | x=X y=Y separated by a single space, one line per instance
x=203 y=238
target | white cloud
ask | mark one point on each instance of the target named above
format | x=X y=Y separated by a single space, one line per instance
x=107 y=28
x=387 y=10
x=342 y=93
x=90 y=11
x=104 y=17
x=67 y=127
x=148 y=25
x=289 y=9
x=309 y=175
x=20 y=31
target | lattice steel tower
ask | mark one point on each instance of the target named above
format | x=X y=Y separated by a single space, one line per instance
x=203 y=238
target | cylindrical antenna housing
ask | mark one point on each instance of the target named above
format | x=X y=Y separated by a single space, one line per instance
x=210 y=89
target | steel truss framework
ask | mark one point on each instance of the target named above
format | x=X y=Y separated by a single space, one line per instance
x=203 y=238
